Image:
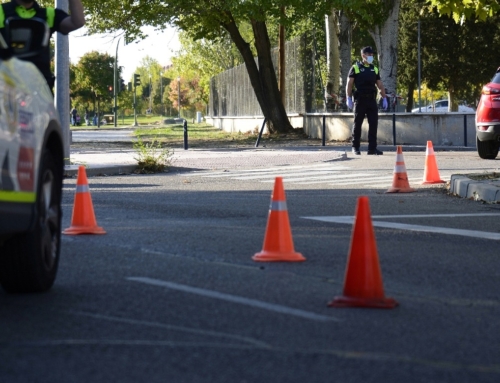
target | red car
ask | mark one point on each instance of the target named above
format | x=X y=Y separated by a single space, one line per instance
x=488 y=119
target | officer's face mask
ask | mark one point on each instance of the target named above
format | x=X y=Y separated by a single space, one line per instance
x=369 y=59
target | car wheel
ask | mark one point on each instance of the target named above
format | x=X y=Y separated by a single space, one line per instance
x=29 y=261
x=487 y=150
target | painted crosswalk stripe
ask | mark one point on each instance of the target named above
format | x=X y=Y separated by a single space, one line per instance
x=324 y=179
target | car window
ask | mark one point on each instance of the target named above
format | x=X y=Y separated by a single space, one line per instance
x=442 y=104
x=496 y=78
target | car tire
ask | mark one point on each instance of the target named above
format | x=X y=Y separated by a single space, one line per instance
x=29 y=261
x=487 y=150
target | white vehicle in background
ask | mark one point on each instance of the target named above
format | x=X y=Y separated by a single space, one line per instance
x=442 y=106
x=31 y=164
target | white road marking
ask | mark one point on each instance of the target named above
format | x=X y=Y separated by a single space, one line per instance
x=324 y=178
x=420 y=228
x=235 y=299
x=311 y=173
x=316 y=173
x=283 y=168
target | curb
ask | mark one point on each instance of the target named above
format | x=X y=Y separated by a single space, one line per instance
x=465 y=187
x=106 y=170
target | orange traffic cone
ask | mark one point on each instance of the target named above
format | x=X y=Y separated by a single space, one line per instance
x=83 y=220
x=278 y=243
x=431 y=172
x=363 y=278
x=400 y=182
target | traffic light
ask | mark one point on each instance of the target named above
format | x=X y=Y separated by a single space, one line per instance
x=110 y=90
x=129 y=87
x=137 y=79
x=122 y=86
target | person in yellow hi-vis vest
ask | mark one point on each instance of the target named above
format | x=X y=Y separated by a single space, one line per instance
x=57 y=20
x=365 y=79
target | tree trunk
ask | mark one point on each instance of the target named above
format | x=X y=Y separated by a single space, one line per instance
x=386 y=41
x=262 y=77
x=345 y=37
x=409 y=97
x=452 y=100
x=332 y=61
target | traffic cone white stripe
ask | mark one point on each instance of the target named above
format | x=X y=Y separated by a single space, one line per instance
x=400 y=169
x=278 y=206
x=82 y=188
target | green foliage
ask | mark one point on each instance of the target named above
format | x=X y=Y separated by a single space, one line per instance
x=455 y=58
x=461 y=10
x=151 y=156
x=93 y=73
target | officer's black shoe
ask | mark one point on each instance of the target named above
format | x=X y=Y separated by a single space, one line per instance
x=375 y=152
x=356 y=151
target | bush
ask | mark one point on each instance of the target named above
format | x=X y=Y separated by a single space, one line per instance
x=152 y=157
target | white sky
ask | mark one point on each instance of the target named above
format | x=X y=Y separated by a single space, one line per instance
x=159 y=45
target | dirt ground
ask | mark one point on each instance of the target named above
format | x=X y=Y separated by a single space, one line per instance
x=295 y=138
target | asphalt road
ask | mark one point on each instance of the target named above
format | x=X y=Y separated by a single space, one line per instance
x=171 y=294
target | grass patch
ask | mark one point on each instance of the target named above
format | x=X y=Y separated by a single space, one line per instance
x=198 y=134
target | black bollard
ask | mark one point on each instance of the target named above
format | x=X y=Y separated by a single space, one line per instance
x=323 y=133
x=394 y=129
x=465 y=130
x=260 y=133
x=185 y=134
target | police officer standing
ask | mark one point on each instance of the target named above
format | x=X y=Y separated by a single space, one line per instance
x=57 y=19
x=364 y=77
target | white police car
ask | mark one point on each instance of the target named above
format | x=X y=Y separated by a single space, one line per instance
x=31 y=165
x=442 y=106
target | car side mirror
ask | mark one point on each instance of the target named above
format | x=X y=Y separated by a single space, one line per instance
x=27 y=37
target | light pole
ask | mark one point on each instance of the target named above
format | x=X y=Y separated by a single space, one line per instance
x=115 y=82
x=418 y=59
x=179 y=95
x=150 y=98
x=161 y=93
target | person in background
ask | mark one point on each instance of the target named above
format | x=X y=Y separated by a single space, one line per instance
x=74 y=112
x=364 y=77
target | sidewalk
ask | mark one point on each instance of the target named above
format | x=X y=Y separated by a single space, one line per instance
x=123 y=161
x=120 y=161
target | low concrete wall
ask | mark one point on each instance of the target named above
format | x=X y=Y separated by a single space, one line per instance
x=411 y=128
x=443 y=129
x=245 y=124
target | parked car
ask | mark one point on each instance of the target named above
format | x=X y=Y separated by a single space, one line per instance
x=31 y=164
x=488 y=119
x=442 y=106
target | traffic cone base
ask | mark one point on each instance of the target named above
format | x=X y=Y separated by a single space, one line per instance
x=363 y=285
x=83 y=218
x=431 y=171
x=75 y=230
x=400 y=182
x=278 y=242
x=342 y=301
x=433 y=182
x=275 y=256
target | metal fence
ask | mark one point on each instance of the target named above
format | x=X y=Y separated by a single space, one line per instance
x=231 y=93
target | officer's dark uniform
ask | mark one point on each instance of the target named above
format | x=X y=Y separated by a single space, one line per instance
x=365 y=103
x=53 y=17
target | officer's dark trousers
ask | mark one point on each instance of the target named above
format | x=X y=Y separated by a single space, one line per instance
x=365 y=107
